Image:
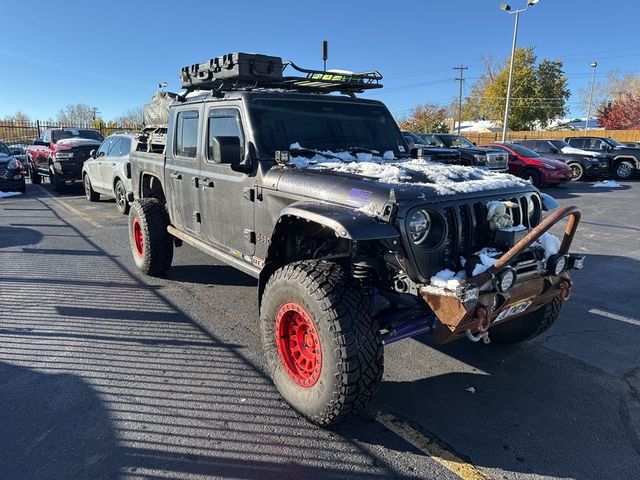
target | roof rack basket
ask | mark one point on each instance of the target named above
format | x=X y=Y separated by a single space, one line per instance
x=248 y=71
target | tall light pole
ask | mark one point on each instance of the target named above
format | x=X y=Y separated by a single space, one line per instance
x=507 y=8
x=593 y=77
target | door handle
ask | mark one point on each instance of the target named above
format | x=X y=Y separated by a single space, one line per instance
x=194 y=182
x=113 y=164
x=207 y=183
x=176 y=175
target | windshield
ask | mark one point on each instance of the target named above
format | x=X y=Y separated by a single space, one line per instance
x=559 y=144
x=613 y=142
x=431 y=140
x=71 y=133
x=523 y=151
x=456 y=141
x=4 y=149
x=324 y=125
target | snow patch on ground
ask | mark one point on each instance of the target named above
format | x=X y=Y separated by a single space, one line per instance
x=443 y=179
x=9 y=194
x=607 y=184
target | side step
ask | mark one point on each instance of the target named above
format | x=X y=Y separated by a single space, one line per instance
x=214 y=252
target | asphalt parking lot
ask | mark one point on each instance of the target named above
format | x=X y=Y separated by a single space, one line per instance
x=107 y=374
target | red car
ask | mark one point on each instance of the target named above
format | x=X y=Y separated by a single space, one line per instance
x=526 y=163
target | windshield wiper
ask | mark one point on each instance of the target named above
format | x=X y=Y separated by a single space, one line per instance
x=317 y=152
x=360 y=150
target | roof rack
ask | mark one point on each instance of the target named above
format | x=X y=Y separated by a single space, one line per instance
x=248 y=71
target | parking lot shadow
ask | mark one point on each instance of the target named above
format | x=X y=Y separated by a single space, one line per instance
x=210 y=274
x=53 y=426
x=15 y=236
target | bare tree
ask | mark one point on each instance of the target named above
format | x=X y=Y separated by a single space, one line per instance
x=18 y=117
x=132 y=116
x=77 y=114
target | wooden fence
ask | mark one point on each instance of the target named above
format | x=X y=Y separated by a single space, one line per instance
x=620 y=135
x=23 y=133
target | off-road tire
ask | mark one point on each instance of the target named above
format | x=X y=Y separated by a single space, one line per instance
x=120 y=193
x=534 y=176
x=148 y=221
x=577 y=171
x=528 y=326
x=89 y=192
x=350 y=344
x=624 y=170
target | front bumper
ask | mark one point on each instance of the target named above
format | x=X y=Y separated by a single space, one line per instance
x=597 y=169
x=478 y=304
x=68 y=170
x=9 y=183
x=557 y=176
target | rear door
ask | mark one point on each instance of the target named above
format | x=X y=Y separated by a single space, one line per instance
x=182 y=169
x=94 y=166
x=226 y=196
x=107 y=164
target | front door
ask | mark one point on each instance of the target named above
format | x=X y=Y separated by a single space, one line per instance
x=226 y=196
x=181 y=176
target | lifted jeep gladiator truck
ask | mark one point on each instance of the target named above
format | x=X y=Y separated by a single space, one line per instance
x=354 y=243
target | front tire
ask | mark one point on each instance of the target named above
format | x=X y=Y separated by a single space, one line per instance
x=151 y=244
x=528 y=326
x=577 y=172
x=624 y=170
x=534 y=177
x=91 y=195
x=322 y=349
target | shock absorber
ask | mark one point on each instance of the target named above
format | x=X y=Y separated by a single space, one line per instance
x=363 y=272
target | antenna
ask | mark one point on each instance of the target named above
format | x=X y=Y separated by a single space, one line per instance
x=325 y=53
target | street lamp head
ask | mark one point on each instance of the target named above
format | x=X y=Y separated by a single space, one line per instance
x=531 y=3
x=594 y=64
x=506 y=7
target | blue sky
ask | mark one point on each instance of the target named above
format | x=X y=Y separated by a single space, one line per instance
x=112 y=54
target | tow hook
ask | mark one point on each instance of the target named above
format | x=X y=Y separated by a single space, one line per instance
x=484 y=322
x=565 y=290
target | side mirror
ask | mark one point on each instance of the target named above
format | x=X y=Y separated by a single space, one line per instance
x=554 y=150
x=226 y=150
x=475 y=144
x=40 y=142
x=92 y=153
x=549 y=203
x=417 y=152
x=604 y=147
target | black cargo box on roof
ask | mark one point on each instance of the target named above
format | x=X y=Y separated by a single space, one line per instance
x=241 y=67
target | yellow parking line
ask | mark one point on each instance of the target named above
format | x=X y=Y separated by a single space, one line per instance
x=73 y=210
x=438 y=453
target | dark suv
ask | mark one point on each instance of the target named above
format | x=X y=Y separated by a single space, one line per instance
x=354 y=243
x=437 y=154
x=470 y=154
x=624 y=160
x=583 y=163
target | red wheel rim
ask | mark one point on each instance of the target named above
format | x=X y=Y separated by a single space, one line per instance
x=298 y=344
x=138 y=237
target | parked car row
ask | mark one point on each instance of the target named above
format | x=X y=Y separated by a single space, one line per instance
x=11 y=170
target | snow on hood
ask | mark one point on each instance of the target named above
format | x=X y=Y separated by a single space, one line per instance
x=578 y=151
x=76 y=142
x=443 y=179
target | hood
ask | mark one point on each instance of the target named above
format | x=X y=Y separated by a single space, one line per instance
x=368 y=185
x=440 y=151
x=78 y=142
x=552 y=161
x=4 y=159
x=579 y=151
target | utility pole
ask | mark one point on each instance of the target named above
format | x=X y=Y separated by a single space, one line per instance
x=94 y=110
x=593 y=66
x=460 y=79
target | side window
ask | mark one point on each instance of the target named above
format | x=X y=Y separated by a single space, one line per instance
x=125 y=147
x=224 y=122
x=595 y=143
x=543 y=147
x=114 y=150
x=576 y=142
x=187 y=134
x=105 y=147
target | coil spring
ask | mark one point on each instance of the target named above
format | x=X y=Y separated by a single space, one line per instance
x=363 y=273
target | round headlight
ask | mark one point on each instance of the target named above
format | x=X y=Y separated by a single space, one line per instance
x=559 y=265
x=419 y=225
x=506 y=280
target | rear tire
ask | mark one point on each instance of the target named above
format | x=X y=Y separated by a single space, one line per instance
x=91 y=195
x=624 y=170
x=528 y=326
x=151 y=244
x=322 y=349
x=120 y=193
x=534 y=177
x=577 y=172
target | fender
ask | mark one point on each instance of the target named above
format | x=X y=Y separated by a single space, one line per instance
x=347 y=223
x=631 y=158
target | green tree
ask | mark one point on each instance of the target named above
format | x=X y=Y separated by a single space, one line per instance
x=425 y=118
x=539 y=92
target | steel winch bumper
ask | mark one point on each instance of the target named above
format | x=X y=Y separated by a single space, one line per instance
x=478 y=304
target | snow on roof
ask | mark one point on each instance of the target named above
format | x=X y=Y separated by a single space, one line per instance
x=443 y=179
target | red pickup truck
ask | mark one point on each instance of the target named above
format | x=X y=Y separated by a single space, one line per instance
x=60 y=153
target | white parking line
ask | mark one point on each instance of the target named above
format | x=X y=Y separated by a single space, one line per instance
x=438 y=453
x=615 y=316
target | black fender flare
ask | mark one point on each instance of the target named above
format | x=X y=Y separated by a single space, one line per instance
x=631 y=158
